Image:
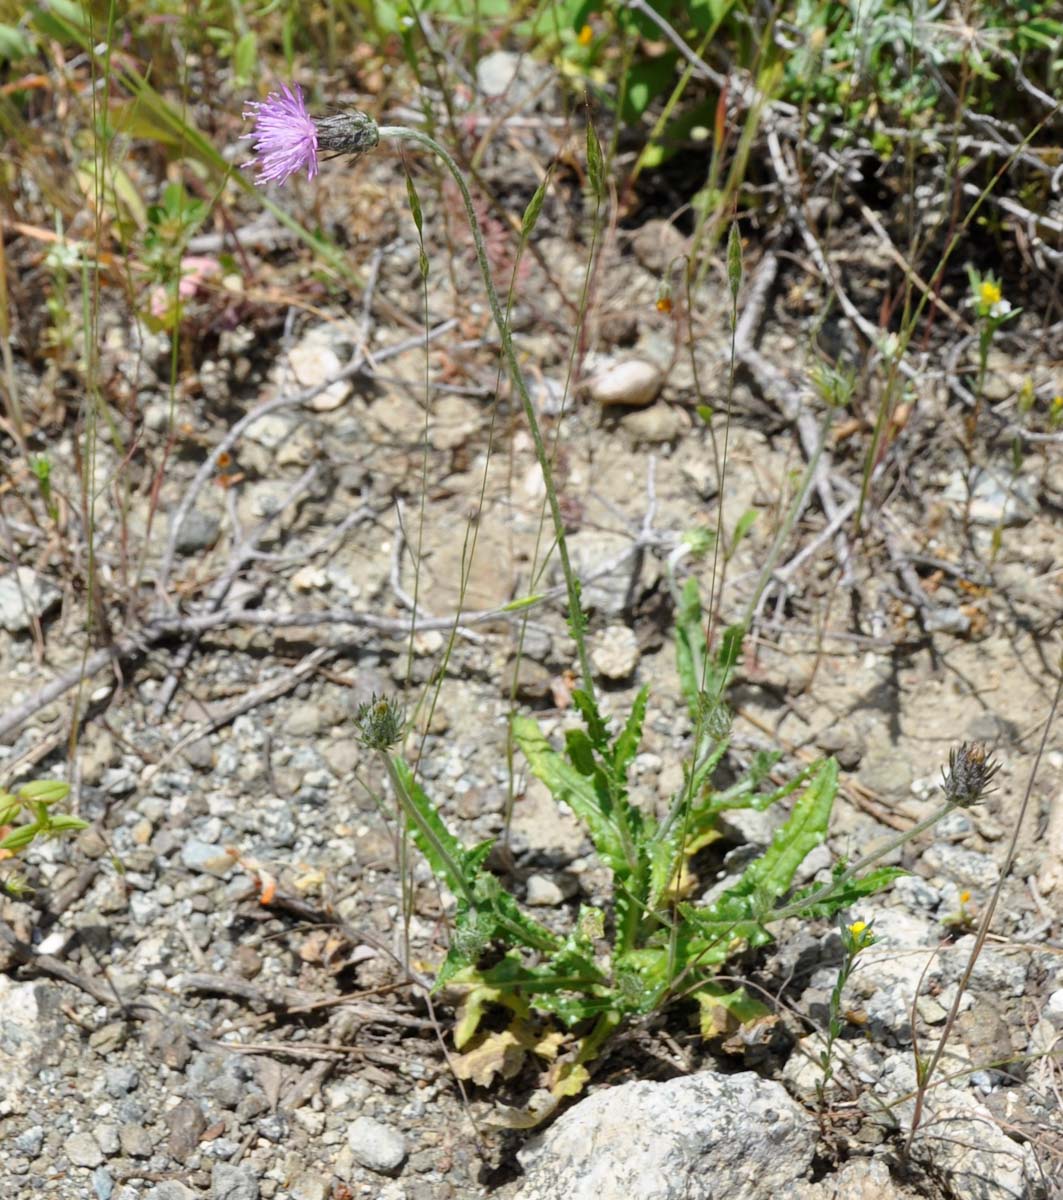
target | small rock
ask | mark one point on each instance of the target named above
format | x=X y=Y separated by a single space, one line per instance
x=656 y=425
x=246 y=961
x=106 y=1135
x=310 y=578
x=842 y=740
x=199 y=531
x=534 y=683
x=314 y=363
x=657 y=245
x=83 y=1150
x=376 y=1146
x=615 y=653
x=995 y=499
x=186 y=1124
x=516 y=76
x=29 y=1141
x=304 y=720
x=309 y=1186
x=199 y=754
x=136 y=1141
x=102 y=1183
x=454 y=421
x=206 y=858
x=24 y=595
x=233 y=1183
x=542 y=892
x=965 y=1148
x=949 y=619
x=630 y=383
x=171 y=1190
x=701 y=475
x=167 y=1042
x=272 y=430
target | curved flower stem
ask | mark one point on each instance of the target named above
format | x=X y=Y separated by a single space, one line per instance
x=400 y=133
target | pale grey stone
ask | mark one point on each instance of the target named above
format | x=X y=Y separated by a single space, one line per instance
x=696 y=1138
x=615 y=653
x=233 y=1183
x=25 y=595
x=83 y=1150
x=377 y=1146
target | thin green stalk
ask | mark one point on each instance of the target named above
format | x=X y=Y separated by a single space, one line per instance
x=783 y=533
x=400 y=133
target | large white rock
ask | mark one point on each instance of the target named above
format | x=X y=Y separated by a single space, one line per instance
x=703 y=1137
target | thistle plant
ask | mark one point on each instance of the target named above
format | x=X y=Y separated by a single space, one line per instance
x=566 y=992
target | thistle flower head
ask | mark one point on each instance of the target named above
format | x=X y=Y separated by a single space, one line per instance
x=287 y=138
x=284 y=137
x=969 y=774
x=380 y=722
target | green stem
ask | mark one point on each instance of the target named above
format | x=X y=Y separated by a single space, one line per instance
x=400 y=133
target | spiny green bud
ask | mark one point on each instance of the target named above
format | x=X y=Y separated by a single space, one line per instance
x=381 y=722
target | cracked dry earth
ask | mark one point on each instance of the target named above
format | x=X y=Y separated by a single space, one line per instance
x=205 y=1001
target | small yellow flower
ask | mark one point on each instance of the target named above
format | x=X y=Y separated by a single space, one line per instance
x=965 y=897
x=857 y=928
x=1057 y=403
x=989 y=292
x=585 y=36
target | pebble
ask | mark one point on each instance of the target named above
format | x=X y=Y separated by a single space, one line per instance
x=102 y=1183
x=304 y=720
x=615 y=653
x=24 y=595
x=534 y=681
x=630 y=383
x=232 y=1183
x=106 y=1136
x=995 y=500
x=199 y=531
x=454 y=421
x=842 y=740
x=313 y=362
x=136 y=1141
x=376 y=1146
x=83 y=1150
x=309 y=1186
x=656 y=425
x=657 y=244
x=186 y=1124
x=542 y=892
x=206 y=857
x=29 y=1141
x=171 y=1190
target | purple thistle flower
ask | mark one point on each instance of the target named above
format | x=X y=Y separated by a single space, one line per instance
x=284 y=136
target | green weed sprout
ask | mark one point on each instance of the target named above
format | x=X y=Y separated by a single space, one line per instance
x=35 y=801
x=856 y=938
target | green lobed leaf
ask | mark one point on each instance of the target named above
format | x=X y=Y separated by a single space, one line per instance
x=627 y=743
x=805 y=829
x=568 y=786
